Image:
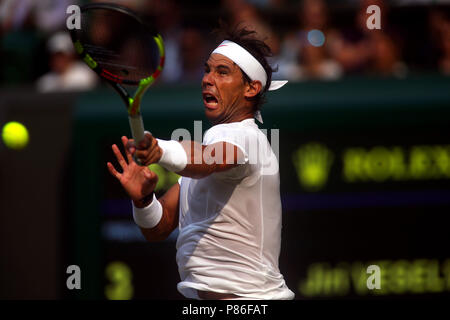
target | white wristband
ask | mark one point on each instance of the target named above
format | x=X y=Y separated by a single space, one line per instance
x=149 y=216
x=174 y=157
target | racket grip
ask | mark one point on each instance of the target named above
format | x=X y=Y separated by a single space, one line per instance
x=137 y=131
x=137 y=128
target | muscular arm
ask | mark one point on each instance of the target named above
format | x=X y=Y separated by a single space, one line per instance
x=169 y=220
x=202 y=160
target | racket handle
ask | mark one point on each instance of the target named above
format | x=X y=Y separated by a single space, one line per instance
x=137 y=128
x=137 y=131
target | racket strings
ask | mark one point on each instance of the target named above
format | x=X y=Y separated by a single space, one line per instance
x=123 y=48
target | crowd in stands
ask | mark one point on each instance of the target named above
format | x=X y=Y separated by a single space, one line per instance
x=310 y=39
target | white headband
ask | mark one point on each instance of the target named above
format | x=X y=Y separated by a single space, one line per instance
x=247 y=63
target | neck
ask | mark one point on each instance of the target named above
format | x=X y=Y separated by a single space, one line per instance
x=237 y=116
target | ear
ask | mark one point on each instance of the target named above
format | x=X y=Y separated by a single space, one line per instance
x=252 y=89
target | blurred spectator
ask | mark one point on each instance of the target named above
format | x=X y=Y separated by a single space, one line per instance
x=444 y=60
x=315 y=47
x=267 y=4
x=45 y=15
x=305 y=51
x=385 y=56
x=361 y=50
x=314 y=63
x=67 y=73
x=245 y=14
x=436 y=25
x=166 y=15
x=24 y=26
x=193 y=55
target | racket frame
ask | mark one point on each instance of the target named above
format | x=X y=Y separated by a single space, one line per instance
x=133 y=104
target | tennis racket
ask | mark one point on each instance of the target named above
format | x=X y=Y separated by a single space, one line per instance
x=124 y=51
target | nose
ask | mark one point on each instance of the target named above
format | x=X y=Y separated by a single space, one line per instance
x=207 y=80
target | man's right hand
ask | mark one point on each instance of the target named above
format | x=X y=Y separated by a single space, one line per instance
x=138 y=181
x=147 y=151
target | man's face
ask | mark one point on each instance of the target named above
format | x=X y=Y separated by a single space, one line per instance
x=223 y=91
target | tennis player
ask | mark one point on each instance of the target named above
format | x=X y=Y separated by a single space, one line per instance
x=227 y=202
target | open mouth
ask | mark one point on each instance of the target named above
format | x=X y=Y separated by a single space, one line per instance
x=210 y=100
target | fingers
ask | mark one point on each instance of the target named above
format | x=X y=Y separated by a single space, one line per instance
x=113 y=171
x=130 y=146
x=125 y=142
x=146 y=142
x=147 y=152
x=151 y=154
x=119 y=156
x=150 y=175
x=154 y=176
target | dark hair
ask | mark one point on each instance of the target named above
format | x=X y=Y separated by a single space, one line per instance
x=249 y=40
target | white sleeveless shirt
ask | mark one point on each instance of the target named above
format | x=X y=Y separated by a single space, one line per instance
x=230 y=222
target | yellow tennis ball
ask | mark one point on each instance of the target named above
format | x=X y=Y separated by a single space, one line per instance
x=15 y=135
